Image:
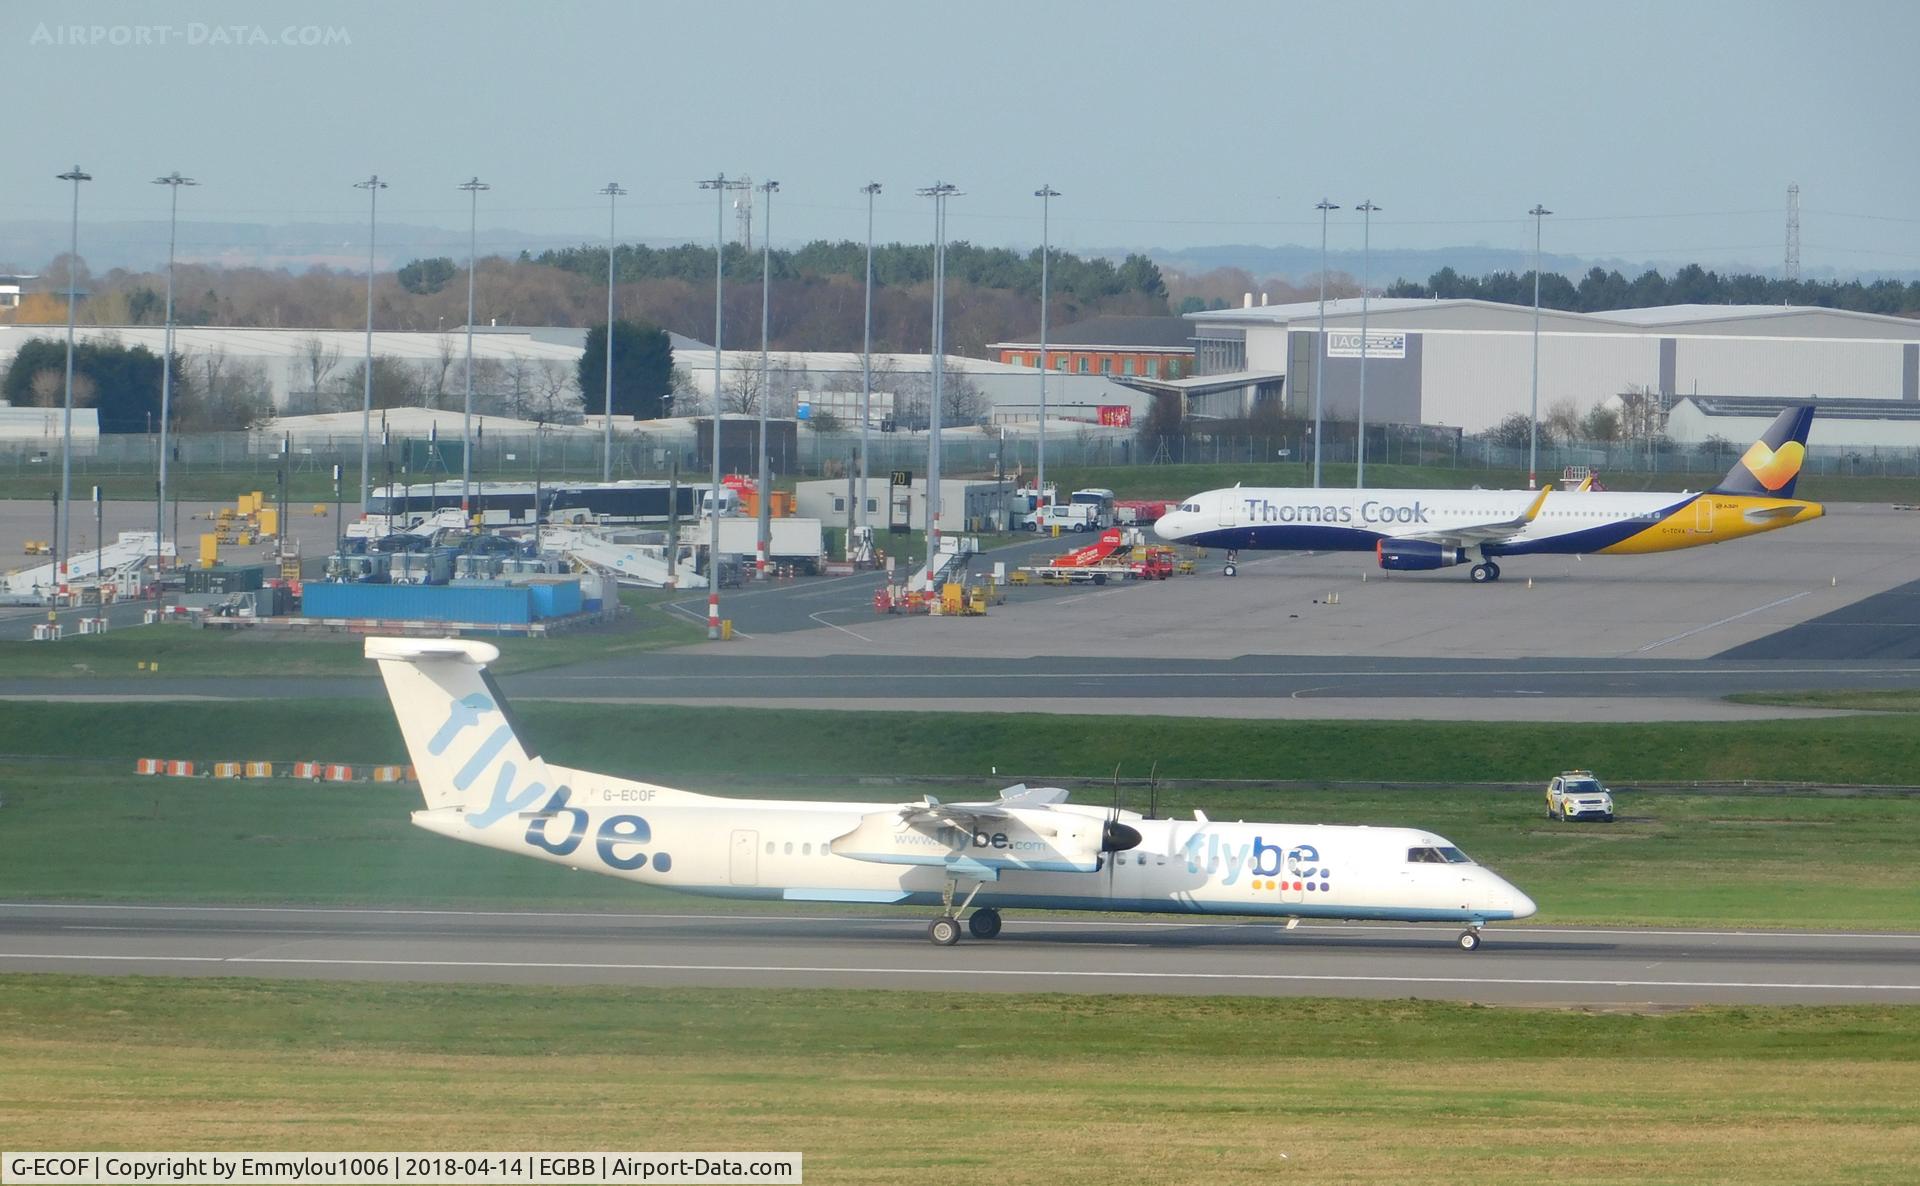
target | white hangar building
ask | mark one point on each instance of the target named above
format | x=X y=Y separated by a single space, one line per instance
x=1468 y=363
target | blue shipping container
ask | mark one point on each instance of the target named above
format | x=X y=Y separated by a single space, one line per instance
x=555 y=599
x=489 y=604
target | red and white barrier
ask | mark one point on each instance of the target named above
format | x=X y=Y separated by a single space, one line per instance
x=179 y=769
x=338 y=774
x=307 y=770
x=147 y=766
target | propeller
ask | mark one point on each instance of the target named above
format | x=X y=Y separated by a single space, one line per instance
x=1116 y=836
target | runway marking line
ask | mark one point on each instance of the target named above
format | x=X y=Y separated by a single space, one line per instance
x=895 y=920
x=1723 y=621
x=821 y=970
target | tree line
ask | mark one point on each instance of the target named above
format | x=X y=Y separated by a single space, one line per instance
x=1600 y=290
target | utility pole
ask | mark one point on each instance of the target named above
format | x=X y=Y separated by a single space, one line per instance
x=60 y=558
x=939 y=191
x=473 y=186
x=720 y=184
x=1366 y=263
x=373 y=185
x=613 y=192
x=1320 y=356
x=1046 y=193
x=866 y=358
x=1539 y=211
x=765 y=498
x=173 y=181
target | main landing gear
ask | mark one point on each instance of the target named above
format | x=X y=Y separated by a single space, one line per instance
x=945 y=930
x=1233 y=563
x=1484 y=571
x=1469 y=939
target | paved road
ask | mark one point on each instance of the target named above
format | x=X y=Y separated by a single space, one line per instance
x=1089 y=954
x=1083 y=685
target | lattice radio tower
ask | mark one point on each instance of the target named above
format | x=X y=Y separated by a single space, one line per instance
x=1792 y=271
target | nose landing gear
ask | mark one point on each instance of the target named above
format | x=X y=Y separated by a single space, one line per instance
x=1469 y=939
x=1233 y=563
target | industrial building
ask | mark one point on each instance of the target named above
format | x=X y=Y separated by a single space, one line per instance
x=1468 y=363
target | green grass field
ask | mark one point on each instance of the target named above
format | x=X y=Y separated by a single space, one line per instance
x=895 y=1087
x=182 y=650
x=1674 y=859
x=1858 y=700
x=651 y=741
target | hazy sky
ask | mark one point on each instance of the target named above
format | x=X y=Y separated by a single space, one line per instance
x=1655 y=131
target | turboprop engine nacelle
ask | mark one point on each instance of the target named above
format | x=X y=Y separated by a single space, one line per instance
x=1031 y=839
x=1416 y=555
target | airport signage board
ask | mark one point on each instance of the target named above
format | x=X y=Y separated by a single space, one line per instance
x=902 y=477
x=1381 y=343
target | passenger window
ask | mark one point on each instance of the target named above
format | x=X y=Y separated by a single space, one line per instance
x=789 y=848
x=769 y=848
x=806 y=850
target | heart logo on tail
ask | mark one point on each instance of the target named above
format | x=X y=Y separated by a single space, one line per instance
x=1774 y=469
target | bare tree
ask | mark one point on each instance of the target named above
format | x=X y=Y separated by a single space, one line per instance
x=1562 y=421
x=742 y=390
x=438 y=369
x=220 y=394
x=1643 y=414
x=50 y=389
x=555 y=394
x=316 y=359
x=961 y=400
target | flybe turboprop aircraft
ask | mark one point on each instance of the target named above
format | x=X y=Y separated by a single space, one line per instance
x=1027 y=848
x=1411 y=530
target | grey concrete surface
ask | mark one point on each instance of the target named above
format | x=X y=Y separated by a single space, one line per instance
x=1690 y=604
x=1073 y=954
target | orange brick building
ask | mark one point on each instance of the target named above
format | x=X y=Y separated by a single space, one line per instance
x=1148 y=347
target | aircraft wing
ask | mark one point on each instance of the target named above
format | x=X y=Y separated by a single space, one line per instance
x=1489 y=532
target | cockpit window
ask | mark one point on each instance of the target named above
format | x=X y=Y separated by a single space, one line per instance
x=1190 y=506
x=1444 y=855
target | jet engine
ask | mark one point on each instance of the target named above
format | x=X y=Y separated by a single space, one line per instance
x=1416 y=555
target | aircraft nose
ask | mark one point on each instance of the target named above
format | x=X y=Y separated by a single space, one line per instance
x=1167 y=526
x=1523 y=906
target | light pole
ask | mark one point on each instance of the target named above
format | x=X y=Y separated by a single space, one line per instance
x=613 y=192
x=473 y=186
x=764 y=498
x=76 y=176
x=1320 y=358
x=719 y=183
x=1539 y=212
x=1366 y=262
x=173 y=181
x=939 y=191
x=1046 y=193
x=866 y=358
x=373 y=185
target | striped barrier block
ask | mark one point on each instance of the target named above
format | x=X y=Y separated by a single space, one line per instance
x=338 y=774
x=389 y=773
x=226 y=770
x=307 y=770
x=258 y=770
x=180 y=769
x=147 y=766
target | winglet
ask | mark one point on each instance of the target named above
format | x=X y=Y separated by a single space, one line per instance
x=1533 y=512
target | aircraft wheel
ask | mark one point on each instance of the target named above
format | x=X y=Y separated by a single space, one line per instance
x=1482 y=573
x=1469 y=940
x=1494 y=568
x=985 y=923
x=1231 y=570
x=944 y=931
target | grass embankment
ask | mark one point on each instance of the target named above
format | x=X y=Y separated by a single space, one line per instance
x=653 y=741
x=182 y=650
x=891 y=1087
x=1886 y=700
x=1178 y=481
x=100 y=832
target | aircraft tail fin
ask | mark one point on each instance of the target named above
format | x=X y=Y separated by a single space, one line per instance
x=460 y=734
x=1771 y=465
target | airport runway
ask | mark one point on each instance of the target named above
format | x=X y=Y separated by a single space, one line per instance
x=1079 y=954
